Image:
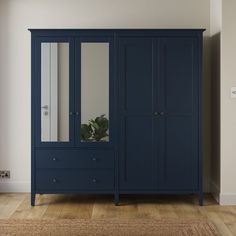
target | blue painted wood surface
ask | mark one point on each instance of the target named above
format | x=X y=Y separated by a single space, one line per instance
x=155 y=105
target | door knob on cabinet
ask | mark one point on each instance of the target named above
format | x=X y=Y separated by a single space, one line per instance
x=54 y=158
x=161 y=113
x=155 y=113
x=94 y=159
x=54 y=180
x=77 y=113
x=94 y=180
x=71 y=113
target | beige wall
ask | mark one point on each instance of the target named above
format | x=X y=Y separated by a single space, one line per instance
x=16 y=16
x=216 y=26
x=228 y=105
x=94 y=81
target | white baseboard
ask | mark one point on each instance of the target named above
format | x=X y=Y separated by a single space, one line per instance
x=215 y=191
x=15 y=187
x=227 y=198
x=222 y=198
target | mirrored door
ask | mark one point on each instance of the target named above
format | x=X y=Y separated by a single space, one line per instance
x=94 y=99
x=54 y=102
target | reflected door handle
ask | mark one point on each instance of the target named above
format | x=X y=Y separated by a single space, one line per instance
x=45 y=107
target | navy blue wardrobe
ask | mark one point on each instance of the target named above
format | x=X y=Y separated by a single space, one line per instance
x=116 y=111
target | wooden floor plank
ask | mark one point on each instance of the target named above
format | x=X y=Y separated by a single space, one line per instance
x=104 y=208
x=78 y=207
x=10 y=205
x=26 y=211
x=232 y=228
x=55 y=206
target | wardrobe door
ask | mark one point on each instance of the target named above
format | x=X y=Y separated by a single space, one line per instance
x=135 y=114
x=94 y=94
x=54 y=92
x=178 y=123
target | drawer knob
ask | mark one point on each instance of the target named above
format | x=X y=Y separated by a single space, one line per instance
x=54 y=158
x=94 y=159
x=54 y=180
x=94 y=180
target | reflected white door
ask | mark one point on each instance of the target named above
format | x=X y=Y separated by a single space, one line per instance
x=49 y=92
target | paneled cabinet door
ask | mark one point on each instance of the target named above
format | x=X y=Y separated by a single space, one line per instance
x=54 y=98
x=136 y=166
x=178 y=126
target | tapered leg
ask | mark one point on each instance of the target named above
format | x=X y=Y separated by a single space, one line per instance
x=117 y=199
x=200 y=199
x=33 y=199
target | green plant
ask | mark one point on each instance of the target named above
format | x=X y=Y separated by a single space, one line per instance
x=95 y=130
x=85 y=132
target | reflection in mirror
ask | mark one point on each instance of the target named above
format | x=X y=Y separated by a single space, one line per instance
x=55 y=92
x=94 y=92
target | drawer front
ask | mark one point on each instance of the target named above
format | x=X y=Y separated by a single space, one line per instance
x=74 y=179
x=74 y=159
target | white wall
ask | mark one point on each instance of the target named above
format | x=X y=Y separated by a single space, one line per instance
x=17 y=16
x=228 y=105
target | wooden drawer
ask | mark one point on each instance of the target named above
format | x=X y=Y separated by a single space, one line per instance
x=74 y=179
x=74 y=159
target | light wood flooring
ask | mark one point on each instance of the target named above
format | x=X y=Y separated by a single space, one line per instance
x=17 y=206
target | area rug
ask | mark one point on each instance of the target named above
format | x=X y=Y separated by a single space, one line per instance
x=77 y=227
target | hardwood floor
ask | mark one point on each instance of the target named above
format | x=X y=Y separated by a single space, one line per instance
x=17 y=206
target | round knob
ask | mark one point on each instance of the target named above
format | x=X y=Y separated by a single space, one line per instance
x=54 y=180
x=155 y=113
x=94 y=180
x=54 y=158
x=77 y=113
x=94 y=159
x=161 y=113
x=71 y=113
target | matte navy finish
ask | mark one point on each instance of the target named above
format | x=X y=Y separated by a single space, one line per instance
x=155 y=109
x=135 y=114
x=178 y=163
x=74 y=158
x=74 y=179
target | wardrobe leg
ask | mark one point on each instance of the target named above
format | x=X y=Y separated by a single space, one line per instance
x=117 y=199
x=33 y=195
x=200 y=199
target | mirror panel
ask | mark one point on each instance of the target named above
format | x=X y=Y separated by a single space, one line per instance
x=94 y=92
x=54 y=92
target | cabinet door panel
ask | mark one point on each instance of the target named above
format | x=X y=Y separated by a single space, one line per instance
x=136 y=156
x=178 y=167
x=179 y=164
x=135 y=114
x=137 y=76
